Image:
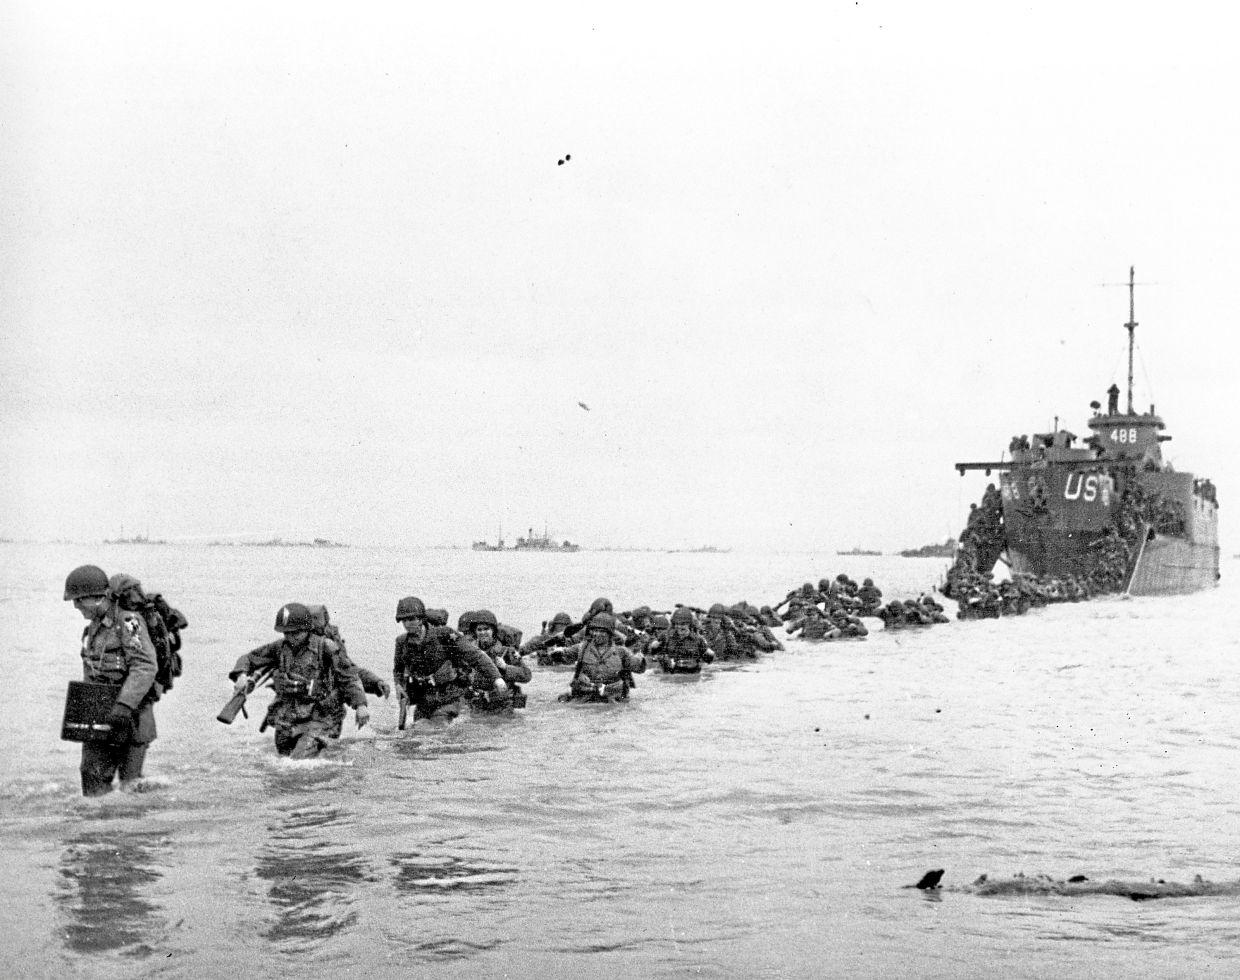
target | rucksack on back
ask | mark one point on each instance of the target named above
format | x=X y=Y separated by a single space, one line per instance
x=164 y=625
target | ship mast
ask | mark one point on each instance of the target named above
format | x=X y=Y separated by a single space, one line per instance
x=1131 y=327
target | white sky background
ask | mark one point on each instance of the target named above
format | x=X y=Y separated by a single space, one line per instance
x=803 y=259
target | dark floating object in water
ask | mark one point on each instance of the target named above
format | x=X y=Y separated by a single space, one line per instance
x=1138 y=891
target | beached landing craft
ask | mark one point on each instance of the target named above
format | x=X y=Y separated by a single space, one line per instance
x=1059 y=501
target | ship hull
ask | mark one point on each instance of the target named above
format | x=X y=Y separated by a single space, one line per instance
x=1172 y=566
x=1053 y=517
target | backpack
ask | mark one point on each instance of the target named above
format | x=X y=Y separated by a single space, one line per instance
x=164 y=625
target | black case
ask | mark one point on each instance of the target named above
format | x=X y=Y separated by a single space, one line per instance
x=86 y=712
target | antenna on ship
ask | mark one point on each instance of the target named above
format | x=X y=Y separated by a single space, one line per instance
x=1131 y=327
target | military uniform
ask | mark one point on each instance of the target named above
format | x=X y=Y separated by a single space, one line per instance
x=513 y=669
x=117 y=651
x=549 y=648
x=435 y=672
x=722 y=638
x=678 y=654
x=371 y=682
x=604 y=671
x=311 y=682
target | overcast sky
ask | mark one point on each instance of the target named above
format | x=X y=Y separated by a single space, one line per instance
x=316 y=271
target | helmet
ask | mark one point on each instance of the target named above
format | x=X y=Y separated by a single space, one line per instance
x=319 y=618
x=120 y=584
x=483 y=617
x=86 y=580
x=603 y=621
x=465 y=621
x=868 y=581
x=718 y=609
x=683 y=615
x=560 y=619
x=660 y=622
x=599 y=605
x=824 y=584
x=640 y=611
x=292 y=618
x=410 y=607
x=437 y=617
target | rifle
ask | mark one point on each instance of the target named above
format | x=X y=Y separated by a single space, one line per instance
x=404 y=711
x=237 y=702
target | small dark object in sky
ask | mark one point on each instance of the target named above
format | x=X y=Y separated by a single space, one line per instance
x=567 y=157
x=584 y=405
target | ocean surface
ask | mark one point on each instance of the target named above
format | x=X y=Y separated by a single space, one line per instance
x=758 y=821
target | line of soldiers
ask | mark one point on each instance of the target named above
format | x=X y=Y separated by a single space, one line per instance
x=981 y=543
x=925 y=610
x=680 y=641
x=439 y=671
x=833 y=610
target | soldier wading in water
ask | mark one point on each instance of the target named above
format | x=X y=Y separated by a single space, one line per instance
x=311 y=680
x=434 y=665
x=117 y=652
x=604 y=668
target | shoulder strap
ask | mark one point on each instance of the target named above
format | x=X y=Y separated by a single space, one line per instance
x=581 y=659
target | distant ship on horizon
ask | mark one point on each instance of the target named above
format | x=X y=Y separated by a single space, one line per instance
x=136 y=539
x=946 y=549
x=858 y=550
x=531 y=542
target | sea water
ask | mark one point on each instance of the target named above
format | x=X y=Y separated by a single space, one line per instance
x=757 y=821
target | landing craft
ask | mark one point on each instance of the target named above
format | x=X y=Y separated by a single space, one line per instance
x=1060 y=501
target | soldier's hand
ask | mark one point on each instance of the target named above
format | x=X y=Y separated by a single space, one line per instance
x=120 y=720
x=242 y=683
x=385 y=689
x=362 y=715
